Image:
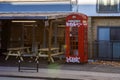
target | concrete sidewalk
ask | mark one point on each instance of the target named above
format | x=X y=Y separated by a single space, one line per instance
x=60 y=70
x=57 y=73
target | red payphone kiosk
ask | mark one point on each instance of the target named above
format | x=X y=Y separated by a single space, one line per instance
x=76 y=38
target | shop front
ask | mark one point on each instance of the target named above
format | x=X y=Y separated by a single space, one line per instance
x=38 y=24
x=27 y=23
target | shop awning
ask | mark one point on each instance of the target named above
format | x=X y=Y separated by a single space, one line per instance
x=33 y=15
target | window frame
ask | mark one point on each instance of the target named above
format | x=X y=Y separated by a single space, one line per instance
x=111 y=34
x=107 y=10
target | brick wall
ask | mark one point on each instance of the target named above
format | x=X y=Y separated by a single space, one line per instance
x=103 y=21
x=93 y=23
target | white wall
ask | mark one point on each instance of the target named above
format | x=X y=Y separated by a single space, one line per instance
x=88 y=7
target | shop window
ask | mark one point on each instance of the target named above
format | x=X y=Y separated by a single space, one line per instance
x=107 y=6
x=114 y=34
x=109 y=33
x=104 y=34
x=108 y=42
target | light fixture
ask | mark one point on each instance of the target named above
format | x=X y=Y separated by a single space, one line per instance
x=23 y=21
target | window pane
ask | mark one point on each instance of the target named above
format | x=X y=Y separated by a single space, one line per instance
x=115 y=34
x=104 y=34
x=107 y=6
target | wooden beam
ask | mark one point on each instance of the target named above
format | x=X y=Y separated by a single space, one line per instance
x=49 y=40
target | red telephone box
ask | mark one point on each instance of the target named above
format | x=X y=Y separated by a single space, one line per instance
x=76 y=38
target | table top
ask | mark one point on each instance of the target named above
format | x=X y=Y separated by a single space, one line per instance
x=29 y=55
x=47 y=49
x=17 y=48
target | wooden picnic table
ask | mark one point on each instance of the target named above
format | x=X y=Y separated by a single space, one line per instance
x=44 y=52
x=17 y=51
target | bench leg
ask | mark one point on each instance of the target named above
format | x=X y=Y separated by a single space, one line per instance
x=6 y=57
x=19 y=55
x=21 y=58
x=51 y=58
x=36 y=59
x=60 y=58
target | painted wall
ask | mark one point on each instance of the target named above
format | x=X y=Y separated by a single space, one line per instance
x=6 y=7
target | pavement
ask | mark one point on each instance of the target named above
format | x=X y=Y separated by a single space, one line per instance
x=58 y=74
x=60 y=71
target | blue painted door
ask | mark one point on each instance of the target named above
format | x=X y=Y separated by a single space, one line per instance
x=104 y=49
x=116 y=50
x=115 y=39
